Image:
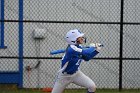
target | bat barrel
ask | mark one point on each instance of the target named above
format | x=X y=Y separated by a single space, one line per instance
x=57 y=51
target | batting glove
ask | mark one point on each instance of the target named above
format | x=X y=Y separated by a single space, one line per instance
x=98 y=46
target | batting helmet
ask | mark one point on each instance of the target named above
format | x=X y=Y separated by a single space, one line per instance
x=72 y=36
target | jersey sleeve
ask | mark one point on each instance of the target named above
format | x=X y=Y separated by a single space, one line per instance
x=89 y=50
x=86 y=52
x=90 y=56
x=83 y=51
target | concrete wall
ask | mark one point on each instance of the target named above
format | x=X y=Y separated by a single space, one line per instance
x=105 y=73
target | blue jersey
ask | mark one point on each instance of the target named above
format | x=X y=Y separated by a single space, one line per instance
x=73 y=56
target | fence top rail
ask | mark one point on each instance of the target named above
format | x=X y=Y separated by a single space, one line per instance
x=73 y=22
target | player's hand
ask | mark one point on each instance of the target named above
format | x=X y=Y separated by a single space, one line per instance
x=98 y=46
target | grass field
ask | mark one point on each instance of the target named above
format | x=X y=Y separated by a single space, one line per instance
x=14 y=89
x=70 y=91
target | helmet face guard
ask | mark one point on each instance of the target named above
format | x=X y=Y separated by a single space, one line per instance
x=85 y=39
x=72 y=35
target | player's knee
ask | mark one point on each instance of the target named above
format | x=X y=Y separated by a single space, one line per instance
x=92 y=88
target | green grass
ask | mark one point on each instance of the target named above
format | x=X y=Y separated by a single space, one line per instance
x=14 y=89
x=117 y=91
x=71 y=91
x=106 y=91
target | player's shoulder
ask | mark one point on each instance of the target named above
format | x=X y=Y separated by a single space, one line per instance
x=74 y=48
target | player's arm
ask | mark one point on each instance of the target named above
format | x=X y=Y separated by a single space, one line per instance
x=97 y=46
x=90 y=56
x=86 y=52
x=83 y=51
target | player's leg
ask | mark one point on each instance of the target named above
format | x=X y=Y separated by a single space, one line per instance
x=61 y=82
x=58 y=88
x=83 y=80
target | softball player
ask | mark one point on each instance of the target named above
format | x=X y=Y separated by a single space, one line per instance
x=74 y=55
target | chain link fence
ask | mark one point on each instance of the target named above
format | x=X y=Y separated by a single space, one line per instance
x=100 y=20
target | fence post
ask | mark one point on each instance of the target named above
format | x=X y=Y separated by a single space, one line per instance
x=21 y=43
x=2 y=25
x=121 y=45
